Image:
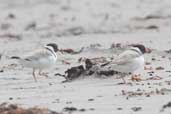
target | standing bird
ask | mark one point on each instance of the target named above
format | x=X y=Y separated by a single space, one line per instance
x=129 y=61
x=40 y=59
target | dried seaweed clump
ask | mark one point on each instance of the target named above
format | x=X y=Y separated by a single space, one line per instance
x=91 y=69
x=6 y=108
x=165 y=106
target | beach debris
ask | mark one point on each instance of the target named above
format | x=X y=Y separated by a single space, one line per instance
x=154 y=78
x=91 y=99
x=119 y=108
x=168 y=51
x=11 y=35
x=74 y=72
x=136 y=78
x=96 y=45
x=95 y=67
x=96 y=60
x=116 y=45
x=167 y=105
x=150 y=17
x=146 y=93
x=148 y=68
x=125 y=46
x=91 y=67
x=120 y=45
x=75 y=31
x=31 y=26
x=159 y=68
x=69 y=109
x=73 y=109
x=15 y=57
x=67 y=50
x=152 y=27
x=11 y=16
x=89 y=64
x=163 y=56
x=151 y=73
x=135 y=109
x=93 y=47
x=10 y=66
x=1 y=70
x=168 y=82
x=71 y=51
x=168 y=71
x=82 y=110
x=69 y=102
x=5 y=26
x=165 y=91
x=11 y=98
x=153 y=16
x=91 y=109
x=153 y=59
x=6 y=108
x=147 y=63
x=107 y=72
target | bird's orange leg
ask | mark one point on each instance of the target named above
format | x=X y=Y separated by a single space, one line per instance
x=42 y=74
x=136 y=78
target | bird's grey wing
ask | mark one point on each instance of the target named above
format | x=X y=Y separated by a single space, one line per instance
x=37 y=55
x=125 y=57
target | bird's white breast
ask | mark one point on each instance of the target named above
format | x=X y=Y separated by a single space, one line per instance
x=40 y=60
x=47 y=62
x=130 y=67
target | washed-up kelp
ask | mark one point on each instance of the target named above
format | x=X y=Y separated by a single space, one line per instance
x=90 y=69
x=6 y=108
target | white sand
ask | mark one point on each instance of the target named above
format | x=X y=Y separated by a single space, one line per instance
x=18 y=84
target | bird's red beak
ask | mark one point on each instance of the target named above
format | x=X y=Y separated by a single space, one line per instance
x=148 y=50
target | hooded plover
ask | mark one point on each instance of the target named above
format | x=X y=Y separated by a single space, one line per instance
x=40 y=59
x=130 y=60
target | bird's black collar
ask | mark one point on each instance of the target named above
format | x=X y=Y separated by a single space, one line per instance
x=51 y=51
x=139 y=52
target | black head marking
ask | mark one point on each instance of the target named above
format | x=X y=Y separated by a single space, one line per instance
x=54 y=46
x=141 y=47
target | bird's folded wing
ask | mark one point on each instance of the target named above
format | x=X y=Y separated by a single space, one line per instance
x=37 y=55
x=125 y=57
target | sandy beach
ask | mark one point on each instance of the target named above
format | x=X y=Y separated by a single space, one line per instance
x=74 y=25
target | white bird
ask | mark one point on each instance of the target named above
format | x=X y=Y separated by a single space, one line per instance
x=40 y=59
x=129 y=61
